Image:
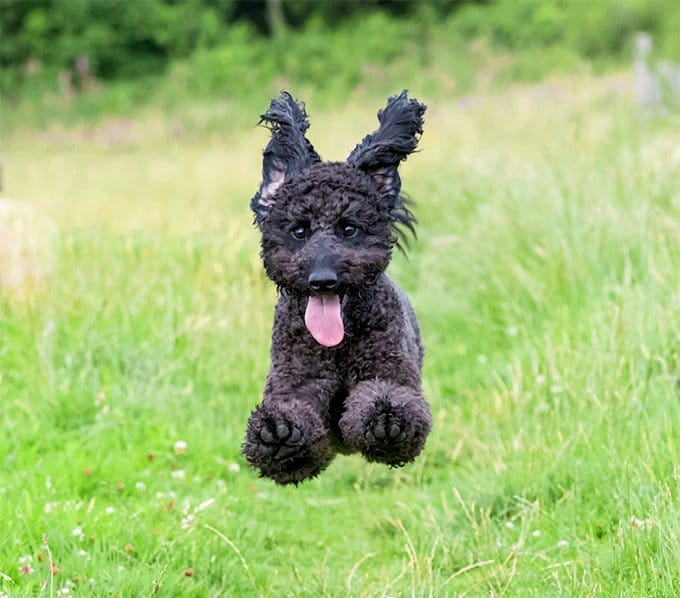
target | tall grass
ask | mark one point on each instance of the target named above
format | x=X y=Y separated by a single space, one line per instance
x=545 y=276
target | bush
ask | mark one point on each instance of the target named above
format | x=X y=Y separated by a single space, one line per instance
x=593 y=29
x=208 y=53
x=120 y=38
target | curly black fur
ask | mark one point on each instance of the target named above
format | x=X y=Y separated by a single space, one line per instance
x=328 y=230
x=288 y=151
x=379 y=154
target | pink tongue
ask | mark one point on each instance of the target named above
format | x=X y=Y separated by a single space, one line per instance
x=323 y=318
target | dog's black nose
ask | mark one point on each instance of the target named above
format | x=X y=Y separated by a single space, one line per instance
x=323 y=280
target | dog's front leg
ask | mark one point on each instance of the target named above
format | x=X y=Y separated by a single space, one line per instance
x=386 y=421
x=288 y=433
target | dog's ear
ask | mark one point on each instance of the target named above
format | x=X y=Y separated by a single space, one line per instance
x=287 y=153
x=379 y=154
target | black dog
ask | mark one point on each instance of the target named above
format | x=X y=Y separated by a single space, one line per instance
x=346 y=353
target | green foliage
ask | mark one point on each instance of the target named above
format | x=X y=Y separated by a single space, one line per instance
x=121 y=38
x=169 y=53
x=307 y=59
x=126 y=38
x=593 y=29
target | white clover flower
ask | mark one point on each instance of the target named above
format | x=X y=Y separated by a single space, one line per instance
x=562 y=544
x=77 y=532
x=50 y=506
x=509 y=524
x=179 y=474
x=536 y=533
x=180 y=447
x=141 y=486
x=234 y=467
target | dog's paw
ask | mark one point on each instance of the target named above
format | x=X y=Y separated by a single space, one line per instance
x=386 y=428
x=387 y=423
x=285 y=440
x=287 y=443
x=385 y=437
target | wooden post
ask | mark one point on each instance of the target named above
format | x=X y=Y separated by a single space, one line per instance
x=277 y=22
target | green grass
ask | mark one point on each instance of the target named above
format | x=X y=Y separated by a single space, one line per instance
x=546 y=277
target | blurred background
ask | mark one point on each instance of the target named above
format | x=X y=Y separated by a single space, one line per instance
x=135 y=315
x=69 y=60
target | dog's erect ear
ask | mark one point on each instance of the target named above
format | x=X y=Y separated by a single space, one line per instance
x=379 y=154
x=287 y=153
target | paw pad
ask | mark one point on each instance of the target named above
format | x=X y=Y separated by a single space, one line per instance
x=289 y=439
x=386 y=428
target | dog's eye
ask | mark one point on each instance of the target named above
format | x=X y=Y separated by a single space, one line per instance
x=299 y=233
x=349 y=230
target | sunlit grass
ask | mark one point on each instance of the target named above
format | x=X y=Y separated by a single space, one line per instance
x=546 y=277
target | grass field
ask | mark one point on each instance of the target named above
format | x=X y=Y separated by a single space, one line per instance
x=546 y=276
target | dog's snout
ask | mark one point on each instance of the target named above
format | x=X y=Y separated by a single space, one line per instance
x=323 y=280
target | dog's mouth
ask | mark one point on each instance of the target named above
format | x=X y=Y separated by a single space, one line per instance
x=323 y=318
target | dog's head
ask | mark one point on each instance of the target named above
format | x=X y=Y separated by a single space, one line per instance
x=328 y=228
